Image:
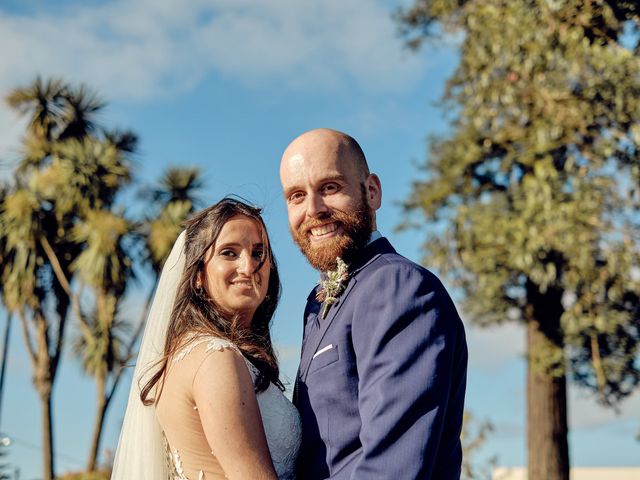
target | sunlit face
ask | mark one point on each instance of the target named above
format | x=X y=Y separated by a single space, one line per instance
x=329 y=201
x=234 y=278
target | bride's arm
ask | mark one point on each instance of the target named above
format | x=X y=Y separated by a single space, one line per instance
x=225 y=398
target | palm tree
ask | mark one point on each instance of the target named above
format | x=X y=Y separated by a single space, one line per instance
x=27 y=287
x=85 y=176
x=104 y=265
x=56 y=112
x=67 y=168
x=174 y=199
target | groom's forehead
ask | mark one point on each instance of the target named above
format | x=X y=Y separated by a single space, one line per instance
x=300 y=169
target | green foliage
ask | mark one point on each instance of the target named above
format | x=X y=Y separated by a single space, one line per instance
x=19 y=222
x=174 y=198
x=83 y=174
x=103 y=351
x=473 y=438
x=163 y=230
x=533 y=196
x=104 y=262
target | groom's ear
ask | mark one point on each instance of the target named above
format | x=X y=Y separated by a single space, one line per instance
x=373 y=190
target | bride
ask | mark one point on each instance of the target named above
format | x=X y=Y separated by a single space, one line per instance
x=206 y=401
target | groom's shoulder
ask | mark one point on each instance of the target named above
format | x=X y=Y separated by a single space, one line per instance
x=389 y=272
x=401 y=281
x=388 y=261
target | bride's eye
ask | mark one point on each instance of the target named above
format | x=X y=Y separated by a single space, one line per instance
x=227 y=253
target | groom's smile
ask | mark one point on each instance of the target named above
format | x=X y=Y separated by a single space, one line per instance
x=325 y=231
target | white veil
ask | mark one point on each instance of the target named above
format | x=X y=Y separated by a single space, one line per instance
x=141 y=450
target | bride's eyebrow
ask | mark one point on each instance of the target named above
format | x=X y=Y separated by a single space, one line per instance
x=237 y=244
x=221 y=246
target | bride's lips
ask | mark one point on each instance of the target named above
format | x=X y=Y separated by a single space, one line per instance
x=242 y=284
x=324 y=231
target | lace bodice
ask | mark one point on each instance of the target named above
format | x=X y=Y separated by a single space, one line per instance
x=279 y=417
x=282 y=427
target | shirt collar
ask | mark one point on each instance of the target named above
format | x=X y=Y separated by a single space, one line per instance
x=375 y=235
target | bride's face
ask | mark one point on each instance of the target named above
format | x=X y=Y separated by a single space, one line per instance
x=232 y=278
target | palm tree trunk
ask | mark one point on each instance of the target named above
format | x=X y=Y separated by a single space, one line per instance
x=547 y=429
x=103 y=403
x=43 y=381
x=5 y=350
x=47 y=437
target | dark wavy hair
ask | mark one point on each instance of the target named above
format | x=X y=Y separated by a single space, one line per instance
x=195 y=312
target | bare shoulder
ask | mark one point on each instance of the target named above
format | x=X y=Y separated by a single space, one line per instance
x=220 y=365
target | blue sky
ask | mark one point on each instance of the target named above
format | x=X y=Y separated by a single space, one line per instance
x=225 y=86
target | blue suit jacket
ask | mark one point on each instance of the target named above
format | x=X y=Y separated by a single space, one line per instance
x=382 y=378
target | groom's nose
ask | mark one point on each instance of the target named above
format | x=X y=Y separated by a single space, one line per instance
x=316 y=206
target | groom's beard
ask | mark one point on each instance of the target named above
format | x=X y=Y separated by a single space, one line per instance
x=356 y=232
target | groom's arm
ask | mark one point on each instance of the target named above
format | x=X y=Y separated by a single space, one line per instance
x=411 y=358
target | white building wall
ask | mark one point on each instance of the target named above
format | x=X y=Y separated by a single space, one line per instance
x=578 y=473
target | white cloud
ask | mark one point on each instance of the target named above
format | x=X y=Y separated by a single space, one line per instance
x=310 y=45
x=586 y=413
x=493 y=348
x=141 y=50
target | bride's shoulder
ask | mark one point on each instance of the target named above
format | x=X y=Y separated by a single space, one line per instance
x=200 y=343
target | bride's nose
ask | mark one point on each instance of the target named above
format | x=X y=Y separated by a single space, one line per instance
x=247 y=264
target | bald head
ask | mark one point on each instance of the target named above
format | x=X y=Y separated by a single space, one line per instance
x=323 y=143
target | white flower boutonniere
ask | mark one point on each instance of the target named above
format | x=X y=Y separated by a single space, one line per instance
x=332 y=286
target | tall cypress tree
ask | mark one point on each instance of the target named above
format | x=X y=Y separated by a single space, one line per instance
x=531 y=201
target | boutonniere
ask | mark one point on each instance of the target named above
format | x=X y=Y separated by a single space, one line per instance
x=332 y=286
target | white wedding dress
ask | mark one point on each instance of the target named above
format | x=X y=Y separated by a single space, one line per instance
x=177 y=414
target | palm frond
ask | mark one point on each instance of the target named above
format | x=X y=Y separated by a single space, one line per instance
x=104 y=349
x=125 y=141
x=104 y=263
x=79 y=111
x=45 y=102
x=162 y=232
x=177 y=184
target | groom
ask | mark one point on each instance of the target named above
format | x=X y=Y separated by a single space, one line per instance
x=382 y=377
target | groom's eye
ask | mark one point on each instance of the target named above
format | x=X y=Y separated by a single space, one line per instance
x=296 y=197
x=330 y=188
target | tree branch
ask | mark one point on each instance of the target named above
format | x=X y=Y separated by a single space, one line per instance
x=132 y=342
x=597 y=365
x=27 y=338
x=64 y=282
x=58 y=344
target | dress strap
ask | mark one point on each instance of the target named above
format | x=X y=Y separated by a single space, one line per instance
x=213 y=344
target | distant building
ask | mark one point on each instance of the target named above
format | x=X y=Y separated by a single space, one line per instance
x=578 y=473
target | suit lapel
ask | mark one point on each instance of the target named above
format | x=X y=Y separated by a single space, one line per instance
x=312 y=337
x=311 y=311
x=313 y=342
